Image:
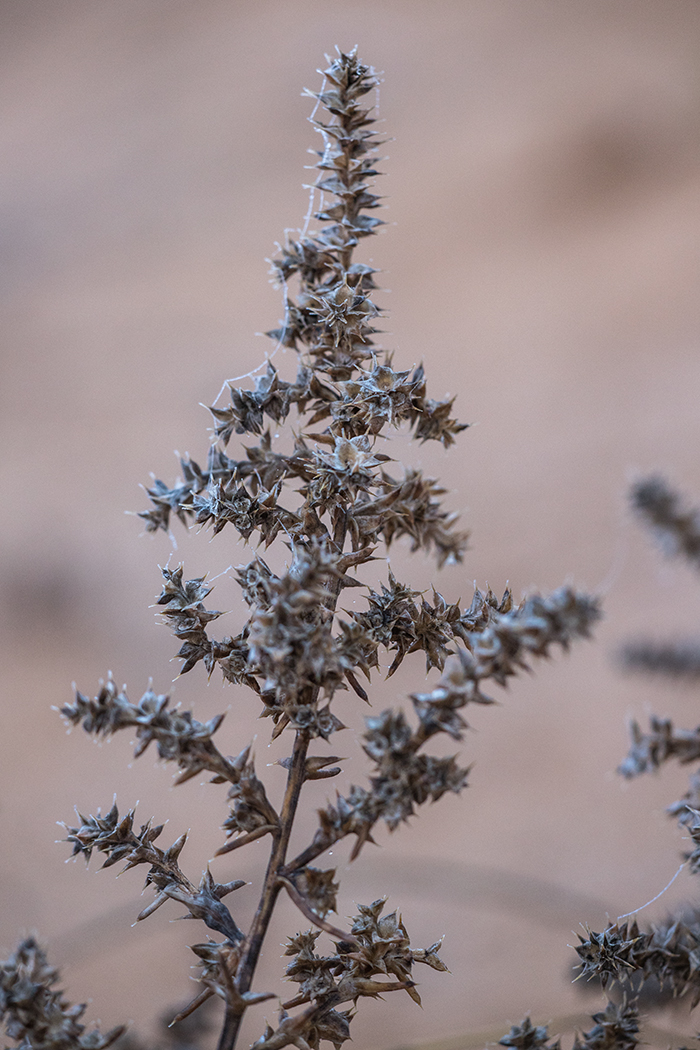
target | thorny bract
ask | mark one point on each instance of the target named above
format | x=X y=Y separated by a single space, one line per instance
x=334 y=498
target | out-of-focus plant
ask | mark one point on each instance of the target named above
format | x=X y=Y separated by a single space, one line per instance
x=665 y=957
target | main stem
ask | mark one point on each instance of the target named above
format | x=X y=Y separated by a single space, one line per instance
x=270 y=890
x=278 y=853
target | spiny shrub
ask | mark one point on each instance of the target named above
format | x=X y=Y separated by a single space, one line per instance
x=328 y=490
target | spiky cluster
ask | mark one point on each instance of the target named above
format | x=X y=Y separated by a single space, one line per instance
x=117 y=838
x=287 y=651
x=35 y=1013
x=527 y=1036
x=378 y=945
x=663 y=742
x=615 y=1028
x=661 y=508
x=329 y=324
x=178 y=736
x=668 y=953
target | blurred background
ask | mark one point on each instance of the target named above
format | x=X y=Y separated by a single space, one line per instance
x=541 y=257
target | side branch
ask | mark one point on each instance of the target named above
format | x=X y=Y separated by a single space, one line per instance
x=313 y=916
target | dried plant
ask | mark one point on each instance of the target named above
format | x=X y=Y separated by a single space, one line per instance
x=666 y=955
x=615 y=1028
x=35 y=1013
x=328 y=491
x=677 y=530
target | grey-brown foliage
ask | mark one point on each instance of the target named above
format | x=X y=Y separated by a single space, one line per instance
x=325 y=490
x=615 y=1028
x=676 y=528
x=35 y=1012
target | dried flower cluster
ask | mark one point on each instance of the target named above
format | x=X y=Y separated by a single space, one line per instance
x=615 y=1028
x=676 y=527
x=677 y=658
x=326 y=490
x=35 y=1013
x=667 y=954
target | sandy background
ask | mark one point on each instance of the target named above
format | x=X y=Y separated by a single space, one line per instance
x=541 y=258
